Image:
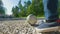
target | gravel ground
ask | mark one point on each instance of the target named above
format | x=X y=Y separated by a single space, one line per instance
x=16 y=27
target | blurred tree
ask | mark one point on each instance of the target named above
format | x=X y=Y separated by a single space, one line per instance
x=20 y=6
x=15 y=11
x=27 y=4
x=59 y=7
x=2 y=9
x=35 y=8
x=23 y=9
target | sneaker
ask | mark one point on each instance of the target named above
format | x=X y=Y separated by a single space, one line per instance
x=52 y=26
x=48 y=25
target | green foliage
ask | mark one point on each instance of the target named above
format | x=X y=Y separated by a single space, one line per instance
x=36 y=8
x=2 y=9
x=59 y=7
x=27 y=4
x=15 y=11
x=22 y=9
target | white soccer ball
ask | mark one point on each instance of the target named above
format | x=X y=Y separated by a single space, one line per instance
x=31 y=19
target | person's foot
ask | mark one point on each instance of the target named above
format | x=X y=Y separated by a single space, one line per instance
x=48 y=25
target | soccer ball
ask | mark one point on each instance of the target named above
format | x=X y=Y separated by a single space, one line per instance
x=31 y=19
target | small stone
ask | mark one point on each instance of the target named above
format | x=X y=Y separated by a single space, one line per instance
x=31 y=19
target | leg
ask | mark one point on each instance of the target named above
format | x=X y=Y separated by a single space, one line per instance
x=50 y=9
x=51 y=15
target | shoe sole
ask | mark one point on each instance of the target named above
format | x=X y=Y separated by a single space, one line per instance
x=57 y=28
